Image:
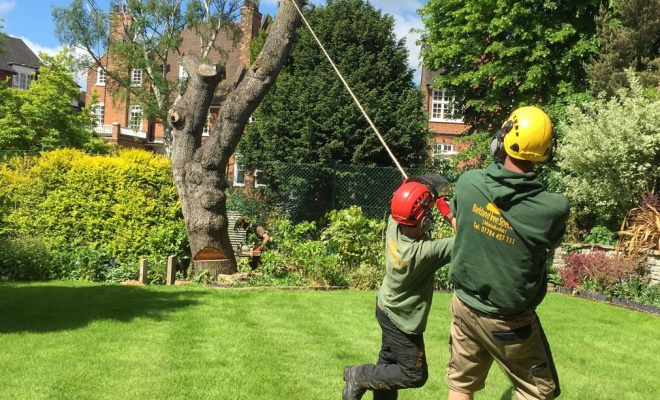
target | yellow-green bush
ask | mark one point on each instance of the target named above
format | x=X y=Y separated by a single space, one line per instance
x=123 y=207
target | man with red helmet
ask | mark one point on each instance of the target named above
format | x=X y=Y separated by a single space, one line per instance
x=404 y=299
x=507 y=225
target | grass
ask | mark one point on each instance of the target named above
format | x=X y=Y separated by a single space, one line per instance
x=64 y=340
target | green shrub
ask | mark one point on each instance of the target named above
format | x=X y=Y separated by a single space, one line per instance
x=442 y=280
x=357 y=243
x=26 y=259
x=609 y=154
x=600 y=235
x=297 y=256
x=320 y=268
x=101 y=213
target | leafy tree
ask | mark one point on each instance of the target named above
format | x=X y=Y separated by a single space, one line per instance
x=499 y=54
x=147 y=38
x=42 y=118
x=309 y=116
x=610 y=154
x=629 y=37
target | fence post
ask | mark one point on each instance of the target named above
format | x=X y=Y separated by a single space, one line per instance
x=334 y=184
x=171 y=270
x=144 y=264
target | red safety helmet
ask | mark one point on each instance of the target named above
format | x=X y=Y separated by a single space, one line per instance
x=411 y=205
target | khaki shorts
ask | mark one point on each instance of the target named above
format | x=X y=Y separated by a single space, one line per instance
x=517 y=343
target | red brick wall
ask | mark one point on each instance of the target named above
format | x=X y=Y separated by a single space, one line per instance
x=445 y=132
x=5 y=77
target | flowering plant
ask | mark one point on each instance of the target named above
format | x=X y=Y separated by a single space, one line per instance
x=598 y=271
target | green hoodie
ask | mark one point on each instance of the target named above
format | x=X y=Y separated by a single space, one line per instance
x=410 y=264
x=507 y=226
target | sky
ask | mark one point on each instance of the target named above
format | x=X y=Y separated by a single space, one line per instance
x=32 y=21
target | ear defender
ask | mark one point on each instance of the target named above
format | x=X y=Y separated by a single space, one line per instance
x=497 y=144
x=426 y=222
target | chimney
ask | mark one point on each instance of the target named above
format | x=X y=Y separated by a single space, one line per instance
x=250 y=19
x=250 y=26
x=120 y=21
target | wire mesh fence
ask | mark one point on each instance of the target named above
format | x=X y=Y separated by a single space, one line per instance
x=308 y=191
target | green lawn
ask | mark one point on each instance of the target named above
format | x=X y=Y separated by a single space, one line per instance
x=88 y=341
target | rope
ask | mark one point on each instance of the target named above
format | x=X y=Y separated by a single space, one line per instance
x=351 y=92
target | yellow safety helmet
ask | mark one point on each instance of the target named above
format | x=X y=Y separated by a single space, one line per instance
x=528 y=135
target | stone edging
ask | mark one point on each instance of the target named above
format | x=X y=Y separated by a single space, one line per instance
x=600 y=297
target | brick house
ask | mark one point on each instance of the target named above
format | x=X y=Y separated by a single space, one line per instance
x=443 y=120
x=120 y=120
x=19 y=66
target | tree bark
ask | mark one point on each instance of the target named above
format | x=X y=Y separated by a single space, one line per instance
x=199 y=169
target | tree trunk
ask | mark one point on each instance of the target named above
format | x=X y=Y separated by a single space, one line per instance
x=199 y=169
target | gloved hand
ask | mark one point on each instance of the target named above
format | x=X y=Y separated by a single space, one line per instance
x=443 y=206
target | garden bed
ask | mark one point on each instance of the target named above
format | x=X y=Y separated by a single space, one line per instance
x=634 y=305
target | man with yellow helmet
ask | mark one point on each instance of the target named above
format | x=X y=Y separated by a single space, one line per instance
x=507 y=225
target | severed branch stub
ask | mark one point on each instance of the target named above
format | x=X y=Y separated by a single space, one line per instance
x=206 y=70
x=174 y=116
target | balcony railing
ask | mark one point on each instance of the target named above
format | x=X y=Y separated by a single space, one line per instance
x=103 y=130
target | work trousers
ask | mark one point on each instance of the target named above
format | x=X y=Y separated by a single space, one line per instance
x=401 y=362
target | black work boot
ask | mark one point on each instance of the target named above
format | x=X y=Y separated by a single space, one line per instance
x=352 y=391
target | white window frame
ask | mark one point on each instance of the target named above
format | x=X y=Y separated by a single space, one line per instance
x=239 y=167
x=20 y=81
x=256 y=179
x=101 y=76
x=183 y=74
x=135 y=112
x=98 y=111
x=443 y=106
x=443 y=150
x=207 y=126
x=136 y=77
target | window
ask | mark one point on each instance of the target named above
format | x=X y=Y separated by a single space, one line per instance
x=259 y=178
x=183 y=75
x=22 y=81
x=239 y=171
x=444 y=106
x=136 y=77
x=98 y=112
x=207 y=127
x=135 y=117
x=100 y=77
x=442 y=150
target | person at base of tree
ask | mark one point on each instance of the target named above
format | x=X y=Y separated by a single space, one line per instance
x=507 y=227
x=261 y=234
x=404 y=299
